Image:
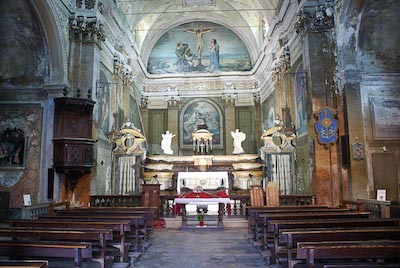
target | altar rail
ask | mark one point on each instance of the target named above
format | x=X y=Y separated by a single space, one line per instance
x=32 y=212
x=238 y=202
x=116 y=200
x=378 y=209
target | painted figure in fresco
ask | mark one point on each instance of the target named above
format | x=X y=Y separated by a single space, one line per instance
x=214 y=54
x=199 y=36
x=238 y=137
x=184 y=61
x=188 y=58
x=166 y=142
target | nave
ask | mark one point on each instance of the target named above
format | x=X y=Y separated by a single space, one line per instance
x=201 y=249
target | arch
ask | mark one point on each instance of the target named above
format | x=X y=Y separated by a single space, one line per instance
x=247 y=38
x=57 y=53
x=199 y=47
x=196 y=110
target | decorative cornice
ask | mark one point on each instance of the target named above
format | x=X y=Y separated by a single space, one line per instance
x=199 y=86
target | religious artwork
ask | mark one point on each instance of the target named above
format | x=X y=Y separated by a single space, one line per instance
x=385 y=117
x=300 y=101
x=12 y=147
x=327 y=126
x=199 y=47
x=268 y=112
x=166 y=142
x=134 y=114
x=102 y=107
x=200 y=112
x=238 y=137
x=357 y=151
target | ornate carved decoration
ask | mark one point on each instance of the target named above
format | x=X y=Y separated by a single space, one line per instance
x=87 y=29
x=122 y=67
x=318 y=20
x=281 y=65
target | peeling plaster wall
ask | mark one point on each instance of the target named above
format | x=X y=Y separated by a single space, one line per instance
x=368 y=53
x=24 y=55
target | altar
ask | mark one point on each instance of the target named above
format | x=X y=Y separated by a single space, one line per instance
x=207 y=180
x=221 y=201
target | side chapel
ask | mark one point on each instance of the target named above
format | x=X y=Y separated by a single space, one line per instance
x=90 y=88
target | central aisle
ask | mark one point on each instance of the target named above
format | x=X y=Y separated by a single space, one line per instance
x=200 y=249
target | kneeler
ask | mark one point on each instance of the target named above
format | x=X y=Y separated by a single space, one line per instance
x=256 y=197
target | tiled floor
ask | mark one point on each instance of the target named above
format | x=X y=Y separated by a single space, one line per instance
x=198 y=249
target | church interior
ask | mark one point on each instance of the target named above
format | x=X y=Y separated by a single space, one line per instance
x=153 y=103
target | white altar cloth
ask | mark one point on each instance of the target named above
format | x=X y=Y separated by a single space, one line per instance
x=201 y=201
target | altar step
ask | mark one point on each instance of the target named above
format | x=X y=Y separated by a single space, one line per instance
x=229 y=221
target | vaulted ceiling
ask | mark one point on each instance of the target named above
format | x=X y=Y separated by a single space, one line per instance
x=150 y=19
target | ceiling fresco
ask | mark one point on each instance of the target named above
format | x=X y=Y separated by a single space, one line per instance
x=199 y=47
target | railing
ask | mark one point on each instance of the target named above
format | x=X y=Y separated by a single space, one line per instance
x=239 y=204
x=378 y=209
x=33 y=211
x=115 y=200
x=297 y=200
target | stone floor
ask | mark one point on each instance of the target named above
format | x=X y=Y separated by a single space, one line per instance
x=197 y=249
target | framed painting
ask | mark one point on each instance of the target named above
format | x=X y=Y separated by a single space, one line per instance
x=13 y=144
x=385 y=111
x=300 y=101
x=197 y=112
x=268 y=112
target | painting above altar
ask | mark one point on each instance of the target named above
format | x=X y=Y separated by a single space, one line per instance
x=200 y=112
x=199 y=47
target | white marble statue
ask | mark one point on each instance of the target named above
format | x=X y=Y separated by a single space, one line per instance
x=166 y=142
x=238 y=137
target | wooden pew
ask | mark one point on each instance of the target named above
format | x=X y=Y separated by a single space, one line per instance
x=275 y=225
x=23 y=264
x=293 y=236
x=266 y=251
x=308 y=215
x=336 y=250
x=254 y=212
x=147 y=222
x=76 y=250
x=119 y=228
x=134 y=220
x=96 y=237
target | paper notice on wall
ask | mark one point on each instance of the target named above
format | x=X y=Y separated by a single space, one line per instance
x=381 y=195
x=27 y=200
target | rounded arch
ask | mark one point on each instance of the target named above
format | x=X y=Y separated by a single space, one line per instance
x=57 y=52
x=152 y=38
x=197 y=111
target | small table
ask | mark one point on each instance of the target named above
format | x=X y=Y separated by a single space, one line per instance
x=202 y=201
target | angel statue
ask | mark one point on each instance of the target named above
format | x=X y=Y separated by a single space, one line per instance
x=238 y=137
x=166 y=142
